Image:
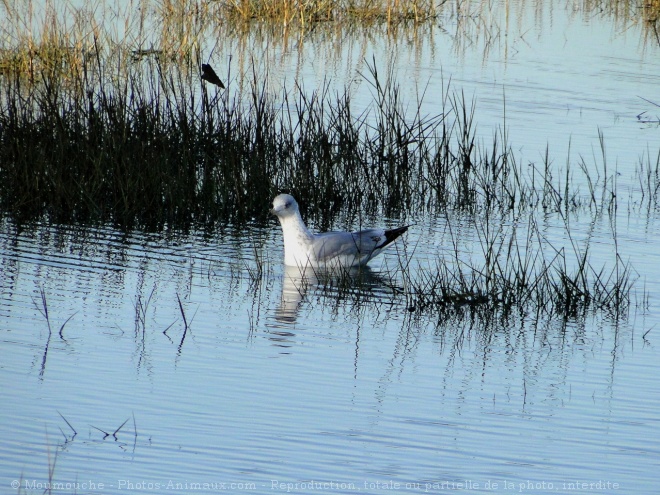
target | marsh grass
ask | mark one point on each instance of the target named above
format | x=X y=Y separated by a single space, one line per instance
x=516 y=267
x=148 y=144
x=161 y=151
x=304 y=13
x=156 y=151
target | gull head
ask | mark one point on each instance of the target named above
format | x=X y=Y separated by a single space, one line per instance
x=284 y=205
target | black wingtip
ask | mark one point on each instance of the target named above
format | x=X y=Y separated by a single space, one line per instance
x=208 y=74
x=393 y=234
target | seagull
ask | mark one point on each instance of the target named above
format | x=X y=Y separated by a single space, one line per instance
x=330 y=249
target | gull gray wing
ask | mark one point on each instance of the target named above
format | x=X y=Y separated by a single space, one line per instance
x=353 y=248
x=331 y=245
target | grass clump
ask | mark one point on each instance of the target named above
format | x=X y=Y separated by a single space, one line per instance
x=304 y=13
x=516 y=267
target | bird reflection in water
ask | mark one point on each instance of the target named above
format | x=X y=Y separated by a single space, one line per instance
x=330 y=285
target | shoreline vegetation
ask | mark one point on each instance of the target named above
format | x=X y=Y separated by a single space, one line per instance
x=48 y=36
x=92 y=135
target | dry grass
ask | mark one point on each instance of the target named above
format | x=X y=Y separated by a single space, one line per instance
x=305 y=13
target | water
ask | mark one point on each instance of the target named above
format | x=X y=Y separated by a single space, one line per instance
x=279 y=386
x=549 y=76
x=320 y=388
